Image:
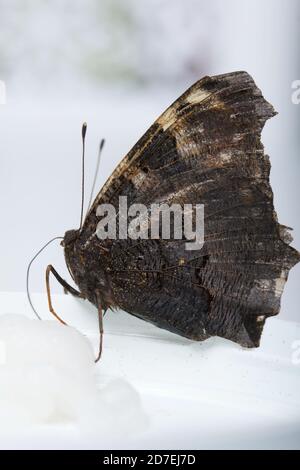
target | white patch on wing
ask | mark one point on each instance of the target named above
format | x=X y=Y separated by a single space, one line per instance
x=197 y=96
x=260 y=318
x=138 y=179
x=279 y=284
x=264 y=284
x=168 y=118
x=237 y=137
x=225 y=156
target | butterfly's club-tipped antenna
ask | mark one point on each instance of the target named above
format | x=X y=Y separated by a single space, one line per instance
x=101 y=145
x=83 y=134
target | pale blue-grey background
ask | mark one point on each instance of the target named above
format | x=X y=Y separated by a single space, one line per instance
x=118 y=64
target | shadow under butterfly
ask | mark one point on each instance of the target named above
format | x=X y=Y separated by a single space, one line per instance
x=205 y=148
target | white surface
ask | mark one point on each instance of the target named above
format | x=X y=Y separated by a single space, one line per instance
x=196 y=395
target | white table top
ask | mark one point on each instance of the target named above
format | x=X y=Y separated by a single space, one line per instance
x=213 y=394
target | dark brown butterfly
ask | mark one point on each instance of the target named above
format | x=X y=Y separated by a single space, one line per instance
x=205 y=148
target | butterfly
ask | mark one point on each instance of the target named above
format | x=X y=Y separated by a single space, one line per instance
x=205 y=148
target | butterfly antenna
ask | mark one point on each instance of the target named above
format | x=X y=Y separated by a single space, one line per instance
x=101 y=145
x=83 y=134
x=28 y=272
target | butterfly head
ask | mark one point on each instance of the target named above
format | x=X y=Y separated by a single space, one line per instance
x=68 y=243
x=76 y=260
x=70 y=237
x=86 y=265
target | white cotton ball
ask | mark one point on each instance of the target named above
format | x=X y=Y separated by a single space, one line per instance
x=33 y=341
x=47 y=376
x=118 y=405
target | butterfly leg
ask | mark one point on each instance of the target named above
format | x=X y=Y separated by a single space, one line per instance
x=101 y=331
x=50 y=269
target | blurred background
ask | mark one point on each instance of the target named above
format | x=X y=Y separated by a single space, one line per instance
x=117 y=64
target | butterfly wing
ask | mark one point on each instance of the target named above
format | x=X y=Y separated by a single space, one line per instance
x=204 y=149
